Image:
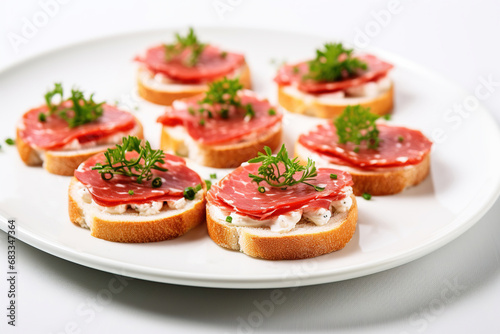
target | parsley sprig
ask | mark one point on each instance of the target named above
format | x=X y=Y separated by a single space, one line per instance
x=80 y=112
x=357 y=124
x=224 y=94
x=140 y=167
x=269 y=172
x=334 y=63
x=189 y=42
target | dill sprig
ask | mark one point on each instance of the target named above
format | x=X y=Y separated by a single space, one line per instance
x=80 y=112
x=334 y=63
x=269 y=172
x=140 y=167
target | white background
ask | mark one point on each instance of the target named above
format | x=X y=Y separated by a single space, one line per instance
x=455 y=38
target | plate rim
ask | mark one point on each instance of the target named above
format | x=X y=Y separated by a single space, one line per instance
x=440 y=238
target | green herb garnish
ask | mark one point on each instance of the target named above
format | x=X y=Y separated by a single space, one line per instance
x=271 y=112
x=270 y=172
x=224 y=94
x=213 y=176
x=333 y=176
x=157 y=182
x=10 y=141
x=208 y=183
x=189 y=42
x=334 y=63
x=367 y=196
x=80 y=112
x=357 y=124
x=140 y=167
x=130 y=192
x=190 y=192
x=250 y=113
x=229 y=219
x=401 y=139
x=223 y=54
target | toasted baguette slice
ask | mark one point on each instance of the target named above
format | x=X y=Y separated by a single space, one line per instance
x=63 y=162
x=218 y=156
x=306 y=240
x=308 y=104
x=165 y=94
x=130 y=226
x=383 y=181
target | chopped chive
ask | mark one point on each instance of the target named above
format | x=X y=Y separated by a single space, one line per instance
x=197 y=188
x=333 y=176
x=208 y=183
x=42 y=117
x=356 y=149
x=156 y=182
x=367 y=196
x=271 y=112
x=262 y=190
x=202 y=122
x=209 y=113
x=223 y=54
x=224 y=113
x=10 y=141
x=400 y=139
x=189 y=193
x=229 y=219
x=130 y=192
x=213 y=176
x=191 y=110
x=295 y=69
x=249 y=110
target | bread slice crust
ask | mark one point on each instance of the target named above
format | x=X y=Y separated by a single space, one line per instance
x=166 y=98
x=380 y=182
x=131 y=229
x=380 y=105
x=304 y=241
x=224 y=156
x=61 y=162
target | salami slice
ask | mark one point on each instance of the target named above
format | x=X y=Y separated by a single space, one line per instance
x=293 y=74
x=212 y=64
x=116 y=191
x=237 y=193
x=399 y=146
x=54 y=133
x=217 y=130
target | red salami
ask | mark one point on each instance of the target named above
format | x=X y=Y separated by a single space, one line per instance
x=212 y=64
x=218 y=130
x=237 y=193
x=55 y=132
x=116 y=191
x=293 y=74
x=399 y=146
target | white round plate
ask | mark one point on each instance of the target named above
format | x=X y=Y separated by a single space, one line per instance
x=392 y=230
